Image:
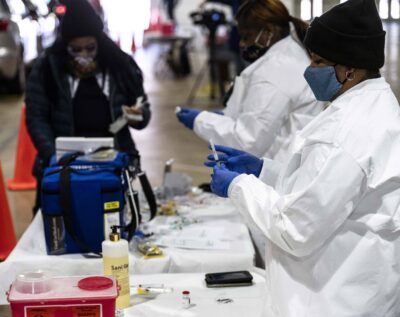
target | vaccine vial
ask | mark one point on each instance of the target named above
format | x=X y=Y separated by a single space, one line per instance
x=185 y=299
x=119 y=313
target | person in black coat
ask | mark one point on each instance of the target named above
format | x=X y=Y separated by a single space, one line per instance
x=170 y=7
x=234 y=37
x=82 y=84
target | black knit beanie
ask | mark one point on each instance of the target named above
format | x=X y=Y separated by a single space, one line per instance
x=349 y=34
x=80 y=20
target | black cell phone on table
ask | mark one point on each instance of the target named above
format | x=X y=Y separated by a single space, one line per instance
x=229 y=279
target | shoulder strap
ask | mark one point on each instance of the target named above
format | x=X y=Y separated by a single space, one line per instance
x=68 y=158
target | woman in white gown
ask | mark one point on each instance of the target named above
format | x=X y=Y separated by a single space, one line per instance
x=331 y=213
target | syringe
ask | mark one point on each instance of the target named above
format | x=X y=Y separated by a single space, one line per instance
x=214 y=152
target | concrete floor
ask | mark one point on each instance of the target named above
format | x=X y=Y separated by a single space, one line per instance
x=164 y=138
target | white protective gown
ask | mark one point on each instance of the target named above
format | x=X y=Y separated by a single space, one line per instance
x=332 y=217
x=270 y=102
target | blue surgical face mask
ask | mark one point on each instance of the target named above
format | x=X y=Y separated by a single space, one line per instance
x=323 y=82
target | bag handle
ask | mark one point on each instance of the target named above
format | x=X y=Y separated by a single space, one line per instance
x=68 y=158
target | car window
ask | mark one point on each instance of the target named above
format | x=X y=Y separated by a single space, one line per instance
x=4 y=7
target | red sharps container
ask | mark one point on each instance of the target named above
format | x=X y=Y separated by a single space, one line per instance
x=38 y=294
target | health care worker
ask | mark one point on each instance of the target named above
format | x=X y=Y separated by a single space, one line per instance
x=331 y=214
x=270 y=99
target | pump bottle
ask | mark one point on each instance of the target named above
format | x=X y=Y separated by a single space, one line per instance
x=116 y=263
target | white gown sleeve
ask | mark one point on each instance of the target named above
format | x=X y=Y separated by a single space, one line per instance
x=270 y=171
x=255 y=129
x=313 y=202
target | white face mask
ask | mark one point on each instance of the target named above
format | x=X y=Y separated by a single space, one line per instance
x=84 y=60
x=83 y=65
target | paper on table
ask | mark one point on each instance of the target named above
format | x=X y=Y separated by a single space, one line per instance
x=202 y=238
x=201 y=232
x=197 y=244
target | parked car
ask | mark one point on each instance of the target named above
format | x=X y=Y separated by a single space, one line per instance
x=27 y=27
x=37 y=26
x=12 y=70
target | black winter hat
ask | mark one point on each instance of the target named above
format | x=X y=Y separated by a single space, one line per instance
x=80 y=20
x=350 y=34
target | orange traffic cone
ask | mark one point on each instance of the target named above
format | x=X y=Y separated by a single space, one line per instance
x=26 y=153
x=8 y=239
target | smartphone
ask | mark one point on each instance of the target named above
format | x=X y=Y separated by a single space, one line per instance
x=229 y=279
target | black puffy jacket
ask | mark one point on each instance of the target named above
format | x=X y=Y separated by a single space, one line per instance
x=49 y=107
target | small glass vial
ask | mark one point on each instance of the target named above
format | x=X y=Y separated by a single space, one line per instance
x=185 y=299
x=119 y=313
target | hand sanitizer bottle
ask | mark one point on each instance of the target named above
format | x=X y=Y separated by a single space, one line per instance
x=116 y=263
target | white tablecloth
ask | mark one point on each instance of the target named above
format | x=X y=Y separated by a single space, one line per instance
x=30 y=253
x=247 y=301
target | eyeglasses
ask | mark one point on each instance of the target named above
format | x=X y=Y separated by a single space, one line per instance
x=251 y=34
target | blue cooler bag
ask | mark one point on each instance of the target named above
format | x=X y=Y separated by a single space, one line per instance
x=81 y=200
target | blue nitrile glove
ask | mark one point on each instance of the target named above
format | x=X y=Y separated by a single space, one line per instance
x=221 y=179
x=187 y=116
x=238 y=161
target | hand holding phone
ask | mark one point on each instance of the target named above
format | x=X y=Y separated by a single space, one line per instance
x=130 y=115
x=135 y=112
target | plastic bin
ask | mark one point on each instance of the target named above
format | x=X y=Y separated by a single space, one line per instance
x=37 y=294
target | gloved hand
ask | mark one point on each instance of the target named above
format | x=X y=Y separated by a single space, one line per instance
x=221 y=179
x=187 y=116
x=235 y=160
